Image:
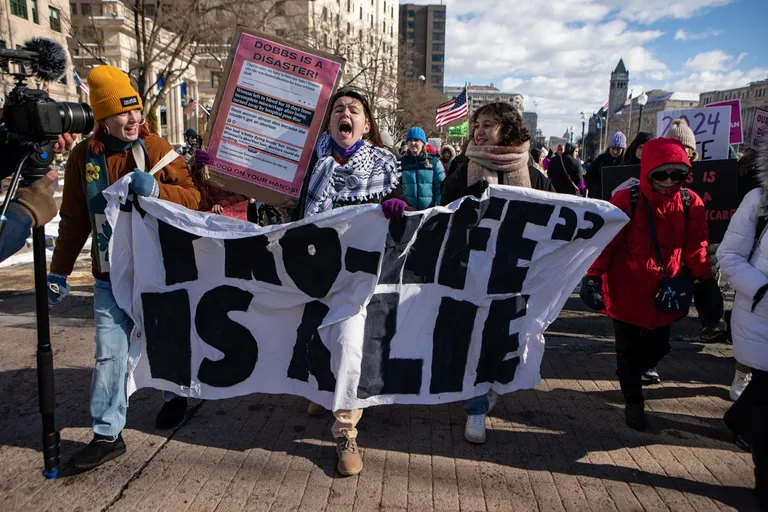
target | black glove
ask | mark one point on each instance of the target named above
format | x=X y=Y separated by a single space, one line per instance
x=759 y=296
x=591 y=292
x=476 y=189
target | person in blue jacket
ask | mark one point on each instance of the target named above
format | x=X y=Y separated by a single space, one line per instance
x=422 y=173
x=33 y=207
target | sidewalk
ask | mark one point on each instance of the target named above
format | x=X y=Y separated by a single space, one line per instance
x=562 y=446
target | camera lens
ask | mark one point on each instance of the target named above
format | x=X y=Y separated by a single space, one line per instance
x=76 y=117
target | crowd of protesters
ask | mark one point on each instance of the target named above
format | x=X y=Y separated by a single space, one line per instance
x=643 y=280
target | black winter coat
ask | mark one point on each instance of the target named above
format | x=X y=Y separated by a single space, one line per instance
x=455 y=183
x=560 y=169
x=594 y=178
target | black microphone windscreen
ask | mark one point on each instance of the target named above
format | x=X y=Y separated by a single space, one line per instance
x=51 y=62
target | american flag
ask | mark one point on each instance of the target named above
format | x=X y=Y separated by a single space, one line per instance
x=452 y=110
x=191 y=106
x=79 y=82
x=605 y=107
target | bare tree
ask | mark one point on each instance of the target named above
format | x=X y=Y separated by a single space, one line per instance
x=416 y=106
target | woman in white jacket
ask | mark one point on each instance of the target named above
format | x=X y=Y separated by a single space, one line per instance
x=743 y=257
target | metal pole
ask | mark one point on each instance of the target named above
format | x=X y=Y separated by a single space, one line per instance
x=640 y=121
x=583 y=146
x=45 y=390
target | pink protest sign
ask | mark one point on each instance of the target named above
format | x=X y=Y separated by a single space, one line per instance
x=737 y=136
x=269 y=113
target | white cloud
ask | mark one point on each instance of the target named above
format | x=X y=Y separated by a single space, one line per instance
x=715 y=60
x=650 y=11
x=682 y=35
x=707 y=80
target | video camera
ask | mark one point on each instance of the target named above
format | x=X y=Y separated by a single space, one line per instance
x=33 y=121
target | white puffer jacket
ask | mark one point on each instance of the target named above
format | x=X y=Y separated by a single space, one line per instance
x=747 y=276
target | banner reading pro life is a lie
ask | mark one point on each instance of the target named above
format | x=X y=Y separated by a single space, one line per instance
x=268 y=115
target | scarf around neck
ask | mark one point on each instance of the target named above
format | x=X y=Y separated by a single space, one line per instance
x=347 y=152
x=485 y=162
x=369 y=174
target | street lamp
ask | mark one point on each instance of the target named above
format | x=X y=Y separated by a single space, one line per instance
x=422 y=80
x=571 y=131
x=583 y=124
x=641 y=100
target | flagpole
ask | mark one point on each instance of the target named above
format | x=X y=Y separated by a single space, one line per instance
x=629 y=124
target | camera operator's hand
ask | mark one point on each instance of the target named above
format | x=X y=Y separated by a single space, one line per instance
x=57 y=288
x=37 y=200
x=65 y=143
x=144 y=184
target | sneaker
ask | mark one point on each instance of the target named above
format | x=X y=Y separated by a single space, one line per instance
x=651 y=377
x=97 y=452
x=348 y=452
x=634 y=414
x=493 y=398
x=316 y=409
x=712 y=334
x=740 y=382
x=474 y=430
x=171 y=414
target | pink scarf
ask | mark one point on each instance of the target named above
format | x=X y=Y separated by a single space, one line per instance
x=485 y=162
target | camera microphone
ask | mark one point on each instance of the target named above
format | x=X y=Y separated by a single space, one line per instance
x=46 y=58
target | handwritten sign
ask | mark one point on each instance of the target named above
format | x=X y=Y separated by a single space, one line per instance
x=710 y=127
x=759 y=129
x=715 y=181
x=737 y=137
x=268 y=114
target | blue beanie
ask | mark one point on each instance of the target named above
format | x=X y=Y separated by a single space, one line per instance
x=416 y=133
x=618 y=140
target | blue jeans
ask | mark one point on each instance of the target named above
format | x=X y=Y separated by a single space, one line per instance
x=477 y=405
x=113 y=329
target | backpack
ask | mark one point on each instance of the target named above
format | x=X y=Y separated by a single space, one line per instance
x=634 y=197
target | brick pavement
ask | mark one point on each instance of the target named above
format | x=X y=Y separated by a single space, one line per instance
x=561 y=446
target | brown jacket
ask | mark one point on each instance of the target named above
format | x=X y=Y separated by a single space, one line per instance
x=175 y=185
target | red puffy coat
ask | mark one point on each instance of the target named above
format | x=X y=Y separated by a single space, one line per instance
x=628 y=265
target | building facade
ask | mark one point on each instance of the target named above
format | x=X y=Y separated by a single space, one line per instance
x=25 y=19
x=479 y=95
x=619 y=90
x=752 y=96
x=422 y=43
x=626 y=119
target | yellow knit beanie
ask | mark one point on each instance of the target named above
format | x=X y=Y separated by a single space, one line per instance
x=111 y=92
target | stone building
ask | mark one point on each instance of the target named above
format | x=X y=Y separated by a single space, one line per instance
x=618 y=91
x=479 y=95
x=752 y=96
x=25 y=19
x=658 y=101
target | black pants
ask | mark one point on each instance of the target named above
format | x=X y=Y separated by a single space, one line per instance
x=748 y=417
x=637 y=350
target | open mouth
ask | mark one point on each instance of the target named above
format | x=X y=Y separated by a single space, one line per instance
x=345 y=128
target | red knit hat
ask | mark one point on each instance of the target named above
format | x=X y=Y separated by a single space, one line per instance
x=660 y=152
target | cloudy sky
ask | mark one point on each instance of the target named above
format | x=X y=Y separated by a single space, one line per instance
x=560 y=53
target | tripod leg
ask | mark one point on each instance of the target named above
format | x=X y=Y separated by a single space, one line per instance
x=45 y=388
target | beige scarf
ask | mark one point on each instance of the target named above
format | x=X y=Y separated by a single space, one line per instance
x=486 y=161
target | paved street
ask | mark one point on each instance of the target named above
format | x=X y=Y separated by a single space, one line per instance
x=562 y=446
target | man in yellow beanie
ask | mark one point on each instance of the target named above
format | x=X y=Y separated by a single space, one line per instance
x=121 y=144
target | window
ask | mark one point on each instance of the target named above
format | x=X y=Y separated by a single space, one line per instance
x=280 y=32
x=150 y=10
x=411 y=13
x=361 y=13
x=391 y=12
x=280 y=8
x=438 y=36
x=435 y=79
x=438 y=25
x=436 y=57
x=360 y=34
x=215 y=79
x=35 y=16
x=411 y=24
x=349 y=6
x=385 y=7
x=325 y=14
x=438 y=47
x=409 y=36
x=385 y=27
x=325 y=40
x=392 y=30
x=85 y=9
x=53 y=17
x=73 y=9
x=439 y=15
x=436 y=68
x=349 y=28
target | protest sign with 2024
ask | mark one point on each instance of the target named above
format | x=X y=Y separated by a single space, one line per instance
x=347 y=308
x=711 y=128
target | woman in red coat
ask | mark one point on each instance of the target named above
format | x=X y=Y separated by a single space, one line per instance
x=625 y=279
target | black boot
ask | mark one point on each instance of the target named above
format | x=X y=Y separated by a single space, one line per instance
x=97 y=452
x=171 y=414
x=635 y=416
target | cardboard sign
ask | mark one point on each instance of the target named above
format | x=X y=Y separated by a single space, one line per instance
x=554 y=142
x=711 y=127
x=715 y=181
x=268 y=114
x=348 y=308
x=737 y=137
x=759 y=129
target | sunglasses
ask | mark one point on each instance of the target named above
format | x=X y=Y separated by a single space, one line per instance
x=674 y=175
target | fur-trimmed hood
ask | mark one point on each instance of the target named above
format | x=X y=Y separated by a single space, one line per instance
x=762 y=166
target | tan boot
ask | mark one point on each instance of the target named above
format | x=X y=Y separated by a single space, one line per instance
x=348 y=452
x=316 y=409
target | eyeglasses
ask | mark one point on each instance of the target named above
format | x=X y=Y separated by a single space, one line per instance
x=674 y=175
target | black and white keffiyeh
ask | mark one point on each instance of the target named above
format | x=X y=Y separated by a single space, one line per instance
x=370 y=173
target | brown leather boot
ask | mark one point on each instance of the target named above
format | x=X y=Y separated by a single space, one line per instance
x=348 y=452
x=316 y=409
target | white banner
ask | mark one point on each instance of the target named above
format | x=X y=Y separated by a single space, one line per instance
x=347 y=308
x=710 y=125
